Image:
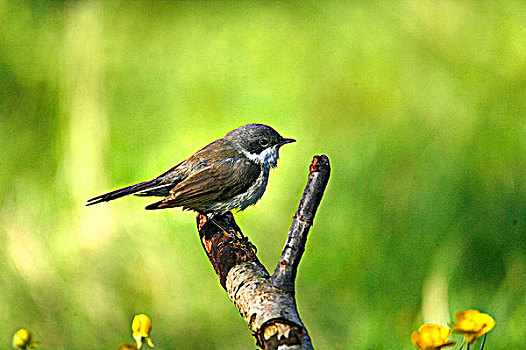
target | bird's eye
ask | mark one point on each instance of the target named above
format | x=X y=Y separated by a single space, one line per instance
x=263 y=142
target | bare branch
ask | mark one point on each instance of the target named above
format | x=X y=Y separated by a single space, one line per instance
x=225 y=250
x=285 y=272
x=266 y=303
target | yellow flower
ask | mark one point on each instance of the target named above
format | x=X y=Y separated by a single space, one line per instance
x=431 y=337
x=141 y=326
x=23 y=339
x=473 y=324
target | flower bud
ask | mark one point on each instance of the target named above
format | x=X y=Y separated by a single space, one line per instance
x=141 y=327
x=23 y=339
x=473 y=324
x=432 y=337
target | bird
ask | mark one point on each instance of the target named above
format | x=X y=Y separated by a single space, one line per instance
x=229 y=173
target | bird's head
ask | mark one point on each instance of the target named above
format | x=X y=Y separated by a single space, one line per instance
x=258 y=142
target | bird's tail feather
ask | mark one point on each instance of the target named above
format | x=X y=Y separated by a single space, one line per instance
x=144 y=188
x=153 y=206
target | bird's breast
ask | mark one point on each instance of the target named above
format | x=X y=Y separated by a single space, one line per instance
x=247 y=198
x=255 y=192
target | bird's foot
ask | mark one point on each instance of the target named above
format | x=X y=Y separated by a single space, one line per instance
x=244 y=240
x=237 y=236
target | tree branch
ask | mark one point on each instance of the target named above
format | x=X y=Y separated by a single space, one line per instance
x=267 y=303
x=285 y=272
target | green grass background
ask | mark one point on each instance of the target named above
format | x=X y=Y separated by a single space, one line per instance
x=420 y=106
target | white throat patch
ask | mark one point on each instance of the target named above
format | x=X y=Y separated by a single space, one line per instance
x=268 y=157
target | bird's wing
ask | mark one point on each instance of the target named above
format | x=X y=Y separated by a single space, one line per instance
x=215 y=182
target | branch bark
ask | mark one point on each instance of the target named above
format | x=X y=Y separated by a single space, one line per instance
x=266 y=302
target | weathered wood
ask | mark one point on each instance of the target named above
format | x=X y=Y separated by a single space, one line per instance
x=266 y=303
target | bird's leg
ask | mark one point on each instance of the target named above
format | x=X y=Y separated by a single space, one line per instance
x=236 y=235
x=210 y=216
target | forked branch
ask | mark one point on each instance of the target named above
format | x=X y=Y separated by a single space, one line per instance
x=267 y=303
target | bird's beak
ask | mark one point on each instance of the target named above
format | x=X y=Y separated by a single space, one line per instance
x=285 y=141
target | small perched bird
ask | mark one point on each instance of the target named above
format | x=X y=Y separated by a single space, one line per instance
x=230 y=173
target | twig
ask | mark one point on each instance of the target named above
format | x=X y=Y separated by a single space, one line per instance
x=285 y=272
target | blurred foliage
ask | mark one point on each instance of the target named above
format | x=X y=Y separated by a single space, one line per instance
x=419 y=105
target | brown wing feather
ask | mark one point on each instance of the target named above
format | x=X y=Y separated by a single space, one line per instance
x=216 y=182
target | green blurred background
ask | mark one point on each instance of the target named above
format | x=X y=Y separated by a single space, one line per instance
x=420 y=107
